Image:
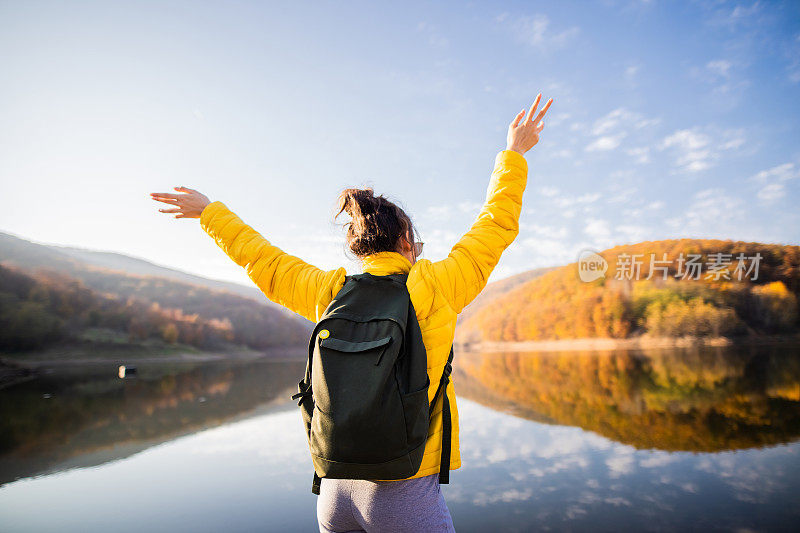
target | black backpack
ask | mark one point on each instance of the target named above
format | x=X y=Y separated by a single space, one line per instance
x=364 y=398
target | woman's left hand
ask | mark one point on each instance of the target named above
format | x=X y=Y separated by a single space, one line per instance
x=189 y=205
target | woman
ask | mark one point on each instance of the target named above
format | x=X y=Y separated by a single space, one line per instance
x=382 y=236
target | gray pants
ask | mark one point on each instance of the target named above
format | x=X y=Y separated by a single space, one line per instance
x=351 y=505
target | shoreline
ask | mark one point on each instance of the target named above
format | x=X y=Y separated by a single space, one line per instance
x=19 y=367
x=605 y=343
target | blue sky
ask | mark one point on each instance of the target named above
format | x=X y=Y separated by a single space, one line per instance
x=669 y=120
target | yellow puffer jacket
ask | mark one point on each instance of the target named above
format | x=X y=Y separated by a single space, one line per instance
x=439 y=290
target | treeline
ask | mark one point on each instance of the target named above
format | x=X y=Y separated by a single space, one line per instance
x=254 y=324
x=558 y=305
x=47 y=307
x=254 y=321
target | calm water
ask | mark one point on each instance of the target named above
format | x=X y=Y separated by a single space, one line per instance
x=662 y=440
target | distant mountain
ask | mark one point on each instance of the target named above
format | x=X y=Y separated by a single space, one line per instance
x=239 y=315
x=26 y=254
x=728 y=298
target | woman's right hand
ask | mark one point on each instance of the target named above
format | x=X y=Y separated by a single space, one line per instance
x=188 y=205
x=522 y=136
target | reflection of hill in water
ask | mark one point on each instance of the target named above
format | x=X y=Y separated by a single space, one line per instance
x=94 y=417
x=693 y=399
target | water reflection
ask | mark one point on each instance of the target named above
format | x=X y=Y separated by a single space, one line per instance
x=703 y=439
x=82 y=415
x=249 y=475
x=690 y=399
x=526 y=476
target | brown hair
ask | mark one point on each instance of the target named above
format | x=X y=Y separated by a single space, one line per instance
x=377 y=223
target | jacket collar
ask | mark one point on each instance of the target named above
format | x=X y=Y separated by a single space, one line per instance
x=384 y=263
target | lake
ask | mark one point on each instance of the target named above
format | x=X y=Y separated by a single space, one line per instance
x=672 y=439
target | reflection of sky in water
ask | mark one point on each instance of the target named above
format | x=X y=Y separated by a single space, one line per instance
x=522 y=474
x=255 y=474
x=252 y=475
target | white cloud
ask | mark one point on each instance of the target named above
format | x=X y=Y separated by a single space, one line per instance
x=719 y=67
x=727 y=88
x=548 y=191
x=557 y=118
x=619 y=118
x=644 y=122
x=696 y=151
x=469 y=207
x=438 y=242
x=632 y=232
x=609 y=121
x=438 y=212
x=553 y=232
x=711 y=212
x=536 y=31
x=446 y=211
x=733 y=143
x=569 y=201
x=739 y=15
x=548 y=251
x=602 y=144
x=773 y=181
x=610 y=129
x=686 y=139
x=640 y=155
x=564 y=152
x=597 y=228
x=784 y=172
x=772 y=192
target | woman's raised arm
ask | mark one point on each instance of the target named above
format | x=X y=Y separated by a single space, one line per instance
x=283 y=278
x=464 y=273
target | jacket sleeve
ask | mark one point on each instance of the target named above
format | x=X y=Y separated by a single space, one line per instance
x=283 y=278
x=464 y=273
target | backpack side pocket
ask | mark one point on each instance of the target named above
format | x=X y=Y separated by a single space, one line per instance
x=415 y=408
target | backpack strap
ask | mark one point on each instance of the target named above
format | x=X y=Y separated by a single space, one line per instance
x=444 y=467
x=315 y=484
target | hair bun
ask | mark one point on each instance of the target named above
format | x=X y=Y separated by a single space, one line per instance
x=377 y=222
x=360 y=202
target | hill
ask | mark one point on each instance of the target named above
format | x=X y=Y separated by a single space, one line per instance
x=758 y=296
x=52 y=295
x=83 y=264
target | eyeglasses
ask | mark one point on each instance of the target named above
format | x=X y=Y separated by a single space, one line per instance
x=418 y=248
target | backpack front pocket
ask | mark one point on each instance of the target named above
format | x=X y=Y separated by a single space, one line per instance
x=359 y=415
x=345 y=376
